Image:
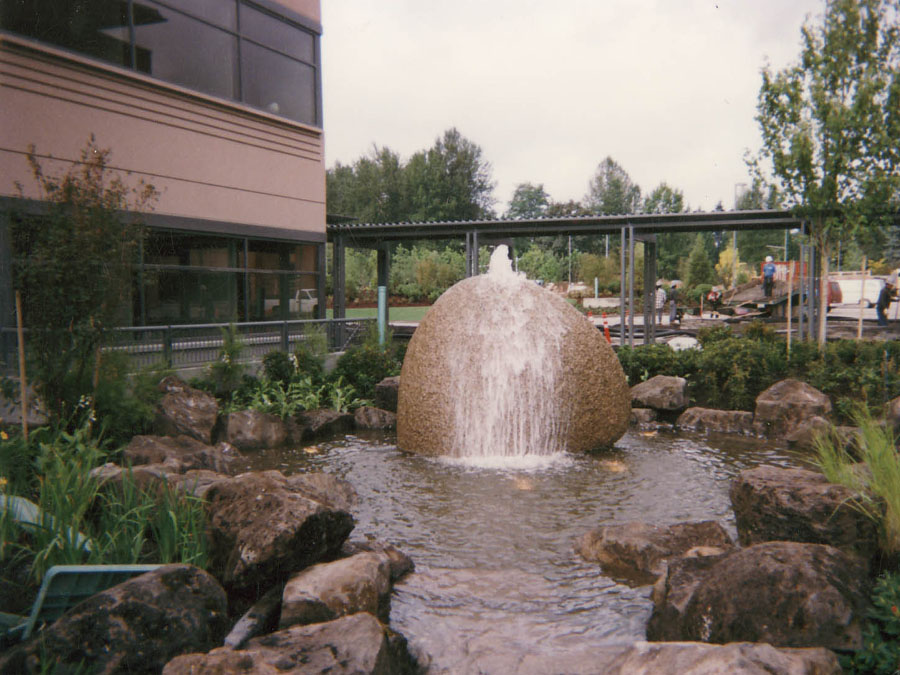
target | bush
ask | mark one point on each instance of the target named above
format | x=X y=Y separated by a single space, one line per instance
x=278 y=367
x=365 y=366
x=880 y=653
x=124 y=404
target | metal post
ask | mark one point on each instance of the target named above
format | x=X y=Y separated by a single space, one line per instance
x=339 y=274
x=475 y=253
x=383 y=277
x=631 y=285
x=622 y=307
x=468 y=254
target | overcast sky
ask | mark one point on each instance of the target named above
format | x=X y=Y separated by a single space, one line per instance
x=667 y=88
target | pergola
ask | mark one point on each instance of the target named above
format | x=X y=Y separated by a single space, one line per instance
x=630 y=229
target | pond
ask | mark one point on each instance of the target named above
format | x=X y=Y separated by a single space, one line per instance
x=498 y=586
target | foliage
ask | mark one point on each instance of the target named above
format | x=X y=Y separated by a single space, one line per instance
x=589 y=266
x=700 y=269
x=528 y=201
x=364 y=366
x=73 y=266
x=538 y=263
x=372 y=190
x=830 y=128
x=225 y=373
x=729 y=264
x=880 y=653
x=421 y=273
x=82 y=523
x=611 y=191
x=124 y=403
x=664 y=199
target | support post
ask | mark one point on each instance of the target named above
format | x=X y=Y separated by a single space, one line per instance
x=649 y=288
x=383 y=258
x=631 y=285
x=339 y=279
x=622 y=305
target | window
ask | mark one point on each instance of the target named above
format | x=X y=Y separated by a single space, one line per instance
x=192 y=43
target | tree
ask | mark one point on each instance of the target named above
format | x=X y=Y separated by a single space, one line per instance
x=528 y=201
x=372 y=190
x=671 y=245
x=74 y=269
x=730 y=268
x=831 y=124
x=699 y=268
x=449 y=181
x=611 y=191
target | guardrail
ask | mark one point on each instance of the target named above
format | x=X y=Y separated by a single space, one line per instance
x=189 y=345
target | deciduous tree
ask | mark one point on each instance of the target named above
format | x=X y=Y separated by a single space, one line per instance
x=831 y=123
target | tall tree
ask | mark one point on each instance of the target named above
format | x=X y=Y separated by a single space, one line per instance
x=611 y=191
x=450 y=181
x=372 y=190
x=831 y=123
x=528 y=201
x=664 y=199
x=671 y=246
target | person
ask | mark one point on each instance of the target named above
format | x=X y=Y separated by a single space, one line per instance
x=768 y=277
x=673 y=304
x=714 y=298
x=884 y=301
x=660 y=301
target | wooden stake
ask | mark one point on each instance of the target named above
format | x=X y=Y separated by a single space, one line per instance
x=862 y=299
x=23 y=383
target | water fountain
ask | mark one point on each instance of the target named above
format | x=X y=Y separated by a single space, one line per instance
x=500 y=367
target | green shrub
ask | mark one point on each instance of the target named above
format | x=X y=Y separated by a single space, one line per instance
x=124 y=404
x=278 y=367
x=732 y=372
x=364 y=366
x=880 y=653
x=225 y=373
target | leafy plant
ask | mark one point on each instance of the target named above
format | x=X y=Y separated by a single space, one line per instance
x=880 y=653
x=226 y=372
x=343 y=397
x=365 y=366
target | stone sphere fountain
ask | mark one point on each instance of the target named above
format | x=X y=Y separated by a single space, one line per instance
x=502 y=367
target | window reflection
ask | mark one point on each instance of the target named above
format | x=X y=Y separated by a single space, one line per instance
x=277 y=84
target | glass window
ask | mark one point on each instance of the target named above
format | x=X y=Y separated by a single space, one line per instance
x=175 y=248
x=278 y=84
x=97 y=28
x=191 y=296
x=179 y=49
x=277 y=34
x=222 y=14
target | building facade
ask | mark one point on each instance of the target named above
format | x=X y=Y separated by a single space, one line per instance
x=218 y=104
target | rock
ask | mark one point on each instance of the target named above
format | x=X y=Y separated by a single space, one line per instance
x=156 y=476
x=786 y=405
x=261 y=618
x=661 y=392
x=783 y=593
x=263 y=528
x=400 y=563
x=562 y=385
x=252 y=430
x=638 y=551
x=374 y=418
x=324 y=488
x=737 y=658
x=643 y=417
x=711 y=420
x=804 y=435
x=323 y=592
x=318 y=423
x=135 y=627
x=185 y=410
x=357 y=644
x=386 y=393
x=184 y=452
x=776 y=504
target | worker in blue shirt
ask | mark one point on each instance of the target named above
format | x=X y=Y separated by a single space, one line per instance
x=768 y=277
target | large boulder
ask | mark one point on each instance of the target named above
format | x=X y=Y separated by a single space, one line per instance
x=777 y=504
x=782 y=593
x=135 y=627
x=323 y=592
x=182 y=453
x=500 y=365
x=352 y=645
x=661 y=392
x=252 y=430
x=185 y=410
x=263 y=527
x=637 y=551
x=322 y=423
x=712 y=420
x=785 y=405
x=738 y=658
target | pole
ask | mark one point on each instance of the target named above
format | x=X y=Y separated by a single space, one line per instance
x=23 y=383
x=790 y=307
x=862 y=299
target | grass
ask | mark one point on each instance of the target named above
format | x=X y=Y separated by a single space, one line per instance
x=877 y=481
x=394 y=313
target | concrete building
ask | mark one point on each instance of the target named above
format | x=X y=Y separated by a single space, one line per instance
x=217 y=103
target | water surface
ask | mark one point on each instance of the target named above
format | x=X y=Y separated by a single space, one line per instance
x=498 y=587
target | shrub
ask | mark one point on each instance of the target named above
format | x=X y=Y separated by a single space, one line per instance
x=278 y=367
x=225 y=373
x=365 y=366
x=880 y=653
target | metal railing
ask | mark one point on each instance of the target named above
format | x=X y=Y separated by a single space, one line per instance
x=191 y=345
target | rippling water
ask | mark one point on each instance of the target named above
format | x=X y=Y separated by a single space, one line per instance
x=498 y=587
